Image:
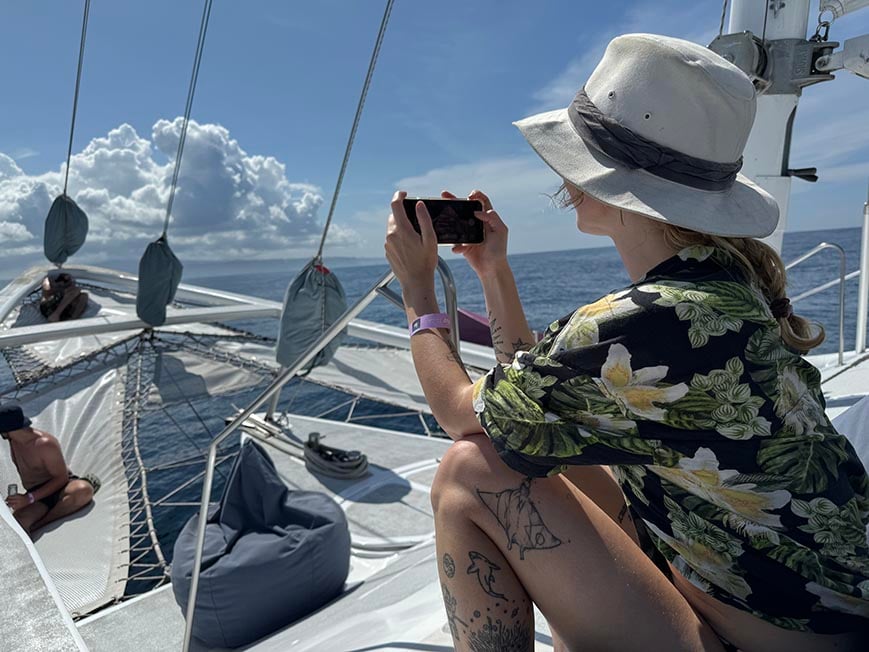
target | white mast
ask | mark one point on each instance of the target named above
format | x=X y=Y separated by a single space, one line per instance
x=767 y=39
x=766 y=152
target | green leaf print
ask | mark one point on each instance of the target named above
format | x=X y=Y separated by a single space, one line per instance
x=810 y=460
x=524 y=427
x=533 y=384
x=719 y=401
x=838 y=529
x=581 y=394
x=798 y=558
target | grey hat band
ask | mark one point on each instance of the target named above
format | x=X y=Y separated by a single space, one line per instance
x=635 y=152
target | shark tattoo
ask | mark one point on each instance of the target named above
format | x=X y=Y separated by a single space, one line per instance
x=519 y=518
x=485 y=571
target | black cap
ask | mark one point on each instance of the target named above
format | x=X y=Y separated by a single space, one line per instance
x=12 y=417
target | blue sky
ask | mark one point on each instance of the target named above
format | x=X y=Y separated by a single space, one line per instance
x=277 y=91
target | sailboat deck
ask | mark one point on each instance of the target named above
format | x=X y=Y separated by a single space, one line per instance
x=393 y=601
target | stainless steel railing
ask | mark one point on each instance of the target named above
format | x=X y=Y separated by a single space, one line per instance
x=283 y=377
x=842 y=277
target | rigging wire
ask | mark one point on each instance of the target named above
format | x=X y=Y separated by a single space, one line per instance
x=197 y=59
x=723 y=13
x=365 y=86
x=765 y=17
x=84 y=31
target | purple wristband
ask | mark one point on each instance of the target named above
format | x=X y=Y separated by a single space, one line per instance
x=424 y=322
x=30 y=498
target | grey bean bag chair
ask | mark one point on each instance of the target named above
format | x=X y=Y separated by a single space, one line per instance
x=271 y=555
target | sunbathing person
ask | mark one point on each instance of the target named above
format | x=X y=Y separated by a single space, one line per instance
x=62 y=299
x=52 y=491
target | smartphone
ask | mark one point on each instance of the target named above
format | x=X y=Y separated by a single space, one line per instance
x=453 y=219
x=12 y=490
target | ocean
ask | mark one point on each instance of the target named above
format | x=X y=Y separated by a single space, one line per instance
x=553 y=284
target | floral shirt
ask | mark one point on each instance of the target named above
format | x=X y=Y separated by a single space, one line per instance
x=715 y=430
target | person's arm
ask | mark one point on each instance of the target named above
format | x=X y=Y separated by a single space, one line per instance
x=444 y=381
x=507 y=323
x=510 y=331
x=68 y=297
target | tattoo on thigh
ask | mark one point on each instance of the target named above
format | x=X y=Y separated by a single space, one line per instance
x=623 y=512
x=500 y=637
x=519 y=518
x=452 y=618
x=449 y=565
x=485 y=572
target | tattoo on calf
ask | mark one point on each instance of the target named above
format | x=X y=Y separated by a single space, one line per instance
x=449 y=565
x=485 y=571
x=452 y=619
x=519 y=518
x=500 y=637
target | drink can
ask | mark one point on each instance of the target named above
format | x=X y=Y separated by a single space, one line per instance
x=12 y=490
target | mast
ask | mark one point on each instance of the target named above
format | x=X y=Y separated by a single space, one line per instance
x=778 y=26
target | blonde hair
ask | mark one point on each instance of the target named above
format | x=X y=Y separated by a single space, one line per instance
x=760 y=264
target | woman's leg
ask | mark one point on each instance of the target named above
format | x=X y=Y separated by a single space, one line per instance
x=505 y=541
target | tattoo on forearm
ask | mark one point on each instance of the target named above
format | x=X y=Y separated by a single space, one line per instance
x=485 y=571
x=499 y=637
x=521 y=345
x=498 y=338
x=453 y=620
x=519 y=518
x=453 y=355
x=449 y=565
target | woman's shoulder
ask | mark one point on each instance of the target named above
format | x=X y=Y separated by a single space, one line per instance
x=693 y=303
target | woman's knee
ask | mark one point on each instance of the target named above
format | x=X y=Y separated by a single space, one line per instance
x=465 y=460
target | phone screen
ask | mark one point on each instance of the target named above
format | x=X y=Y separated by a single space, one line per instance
x=453 y=219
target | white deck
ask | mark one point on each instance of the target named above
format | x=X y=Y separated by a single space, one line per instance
x=394 y=602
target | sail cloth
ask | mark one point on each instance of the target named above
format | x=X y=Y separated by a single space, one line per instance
x=313 y=302
x=159 y=276
x=66 y=228
x=271 y=555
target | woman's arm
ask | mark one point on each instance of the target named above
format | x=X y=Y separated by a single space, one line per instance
x=444 y=381
x=507 y=323
x=510 y=331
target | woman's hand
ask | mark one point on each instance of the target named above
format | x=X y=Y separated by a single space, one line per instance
x=491 y=255
x=412 y=256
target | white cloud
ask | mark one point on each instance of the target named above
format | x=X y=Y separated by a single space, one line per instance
x=518 y=188
x=229 y=205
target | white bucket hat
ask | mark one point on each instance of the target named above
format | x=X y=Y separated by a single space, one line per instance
x=659 y=130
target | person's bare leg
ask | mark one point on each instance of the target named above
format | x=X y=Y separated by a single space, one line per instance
x=27 y=516
x=76 y=495
x=555 y=546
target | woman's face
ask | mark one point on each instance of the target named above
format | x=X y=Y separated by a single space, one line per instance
x=593 y=217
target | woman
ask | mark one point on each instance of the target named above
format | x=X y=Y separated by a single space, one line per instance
x=657 y=472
